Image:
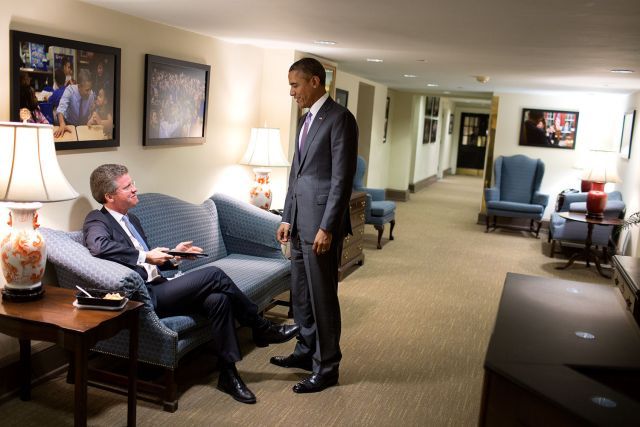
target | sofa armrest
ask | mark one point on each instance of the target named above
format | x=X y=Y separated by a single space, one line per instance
x=247 y=229
x=491 y=194
x=540 y=199
x=74 y=265
x=377 y=194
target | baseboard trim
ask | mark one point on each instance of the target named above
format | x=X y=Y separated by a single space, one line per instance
x=422 y=184
x=397 y=195
x=45 y=365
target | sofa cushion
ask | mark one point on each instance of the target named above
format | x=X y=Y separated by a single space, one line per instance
x=168 y=221
x=382 y=208
x=515 y=207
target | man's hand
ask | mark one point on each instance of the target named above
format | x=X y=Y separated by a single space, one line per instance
x=157 y=256
x=322 y=242
x=187 y=247
x=283 y=233
x=62 y=129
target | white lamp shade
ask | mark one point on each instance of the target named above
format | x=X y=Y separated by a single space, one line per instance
x=29 y=169
x=264 y=149
x=602 y=167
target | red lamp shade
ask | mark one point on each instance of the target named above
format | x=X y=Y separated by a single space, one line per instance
x=596 y=200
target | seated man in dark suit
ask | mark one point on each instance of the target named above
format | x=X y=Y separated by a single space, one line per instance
x=112 y=234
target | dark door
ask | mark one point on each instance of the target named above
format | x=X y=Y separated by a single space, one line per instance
x=473 y=140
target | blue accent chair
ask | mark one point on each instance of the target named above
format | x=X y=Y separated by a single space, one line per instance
x=562 y=230
x=516 y=191
x=378 y=211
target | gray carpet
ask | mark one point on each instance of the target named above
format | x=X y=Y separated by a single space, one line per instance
x=416 y=322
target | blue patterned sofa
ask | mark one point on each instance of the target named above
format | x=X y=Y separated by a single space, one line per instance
x=239 y=238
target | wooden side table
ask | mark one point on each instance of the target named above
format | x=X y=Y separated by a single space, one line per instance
x=589 y=253
x=53 y=318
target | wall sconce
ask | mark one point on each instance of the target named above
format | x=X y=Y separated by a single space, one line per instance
x=29 y=176
x=264 y=150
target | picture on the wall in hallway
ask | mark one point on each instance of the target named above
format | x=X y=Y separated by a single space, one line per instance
x=627 y=134
x=342 y=97
x=549 y=128
x=71 y=85
x=176 y=99
x=431 y=112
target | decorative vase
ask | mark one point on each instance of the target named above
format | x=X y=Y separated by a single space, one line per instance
x=260 y=193
x=596 y=200
x=23 y=254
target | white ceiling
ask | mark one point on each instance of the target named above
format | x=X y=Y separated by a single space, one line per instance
x=520 y=45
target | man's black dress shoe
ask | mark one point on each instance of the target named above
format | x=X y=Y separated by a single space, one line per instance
x=274 y=334
x=315 y=383
x=293 y=361
x=230 y=382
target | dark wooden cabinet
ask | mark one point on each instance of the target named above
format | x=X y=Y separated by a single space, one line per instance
x=626 y=276
x=352 y=247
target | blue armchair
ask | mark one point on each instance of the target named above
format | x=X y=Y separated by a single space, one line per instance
x=561 y=230
x=378 y=211
x=516 y=191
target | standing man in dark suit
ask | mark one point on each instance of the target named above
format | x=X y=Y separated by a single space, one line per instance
x=114 y=234
x=316 y=219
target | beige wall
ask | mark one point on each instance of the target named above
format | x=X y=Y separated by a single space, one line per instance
x=629 y=171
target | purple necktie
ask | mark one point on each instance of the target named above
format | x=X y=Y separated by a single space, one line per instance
x=305 y=130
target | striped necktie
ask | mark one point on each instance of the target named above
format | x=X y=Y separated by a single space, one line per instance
x=135 y=233
x=305 y=131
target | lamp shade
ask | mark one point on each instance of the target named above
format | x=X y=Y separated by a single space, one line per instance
x=603 y=167
x=29 y=169
x=264 y=149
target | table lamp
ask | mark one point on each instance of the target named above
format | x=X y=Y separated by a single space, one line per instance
x=29 y=176
x=602 y=170
x=264 y=150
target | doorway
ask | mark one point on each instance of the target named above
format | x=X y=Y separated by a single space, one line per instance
x=364 y=117
x=472 y=143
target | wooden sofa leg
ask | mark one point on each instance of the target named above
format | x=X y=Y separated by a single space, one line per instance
x=170 y=400
x=393 y=224
x=538 y=229
x=552 y=252
x=486 y=221
x=380 y=229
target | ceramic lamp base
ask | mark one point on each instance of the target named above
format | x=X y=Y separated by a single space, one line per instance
x=596 y=201
x=22 y=295
x=260 y=194
x=585 y=186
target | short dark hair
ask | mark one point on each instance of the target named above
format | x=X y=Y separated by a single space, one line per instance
x=59 y=77
x=84 y=76
x=103 y=180
x=310 y=67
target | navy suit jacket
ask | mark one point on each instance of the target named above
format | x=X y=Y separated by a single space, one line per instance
x=106 y=239
x=322 y=175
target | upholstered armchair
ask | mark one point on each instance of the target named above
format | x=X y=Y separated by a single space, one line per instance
x=516 y=191
x=378 y=211
x=562 y=230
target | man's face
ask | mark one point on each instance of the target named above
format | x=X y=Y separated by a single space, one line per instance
x=67 y=69
x=125 y=197
x=304 y=90
x=84 y=89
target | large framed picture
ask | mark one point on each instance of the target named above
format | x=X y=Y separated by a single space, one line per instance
x=342 y=97
x=176 y=98
x=549 y=128
x=627 y=134
x=330 y=81
x=72 y=85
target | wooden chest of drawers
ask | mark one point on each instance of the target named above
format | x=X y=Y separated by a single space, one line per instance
x=626 y=276
x=352 y=246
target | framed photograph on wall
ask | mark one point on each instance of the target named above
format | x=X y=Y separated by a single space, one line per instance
x=426 y=134
x=72 y=85
x=627 y=134
x=386 y=120
x=342 y=97
x=330 y=81
x=450 y=123
x=549 y=128
x=176 y=96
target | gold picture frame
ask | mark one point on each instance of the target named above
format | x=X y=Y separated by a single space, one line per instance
x=330 y=82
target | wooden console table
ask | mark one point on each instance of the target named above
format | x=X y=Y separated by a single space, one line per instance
x=626 y=276
x=53 y=318
x=562 y=353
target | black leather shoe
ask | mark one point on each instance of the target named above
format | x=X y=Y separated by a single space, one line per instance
x=274 y=334
x=315 y=383
x=230 y=382
x=293 y=361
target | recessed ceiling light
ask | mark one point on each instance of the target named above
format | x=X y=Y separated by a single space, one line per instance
x=374 y=60
x=410 y=76
x=432 y=85
x=446 y=92
x=621 y=71
x=325 y=42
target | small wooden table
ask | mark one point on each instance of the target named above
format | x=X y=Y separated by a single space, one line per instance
x=589 y=253
x=53 y=318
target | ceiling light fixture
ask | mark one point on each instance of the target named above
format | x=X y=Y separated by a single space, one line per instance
x=432 y=85
x=374 y=60
x=621 y=71
x=325 y=42
x=410 y=76
x=483 y=79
